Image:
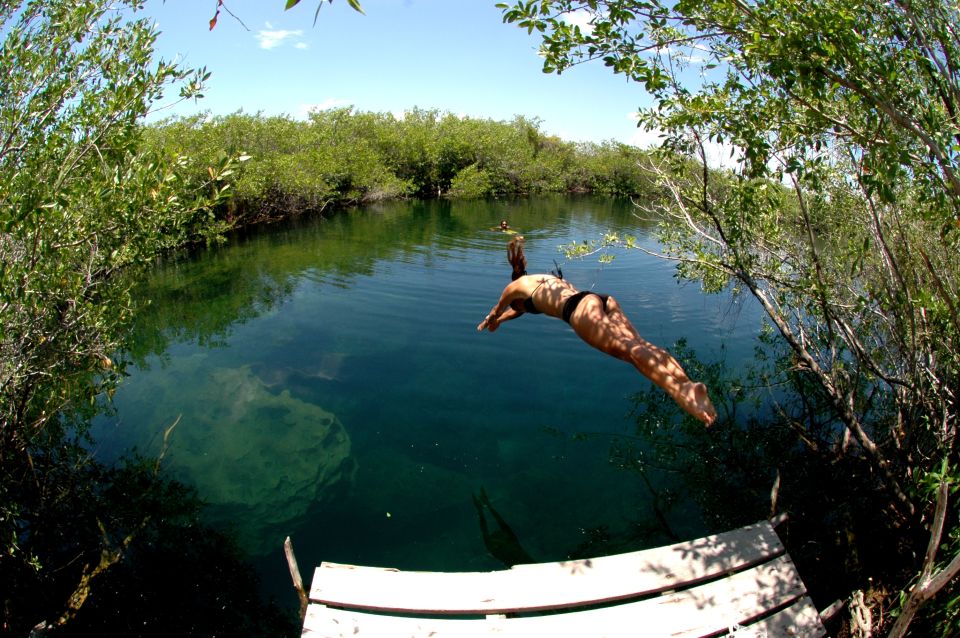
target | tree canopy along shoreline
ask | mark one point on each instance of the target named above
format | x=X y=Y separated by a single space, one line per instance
x=853 y=106
x=341 y=157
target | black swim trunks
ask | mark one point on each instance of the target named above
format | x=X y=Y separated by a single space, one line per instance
x=574 y=300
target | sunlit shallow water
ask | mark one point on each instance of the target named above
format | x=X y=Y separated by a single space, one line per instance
x=327 y=382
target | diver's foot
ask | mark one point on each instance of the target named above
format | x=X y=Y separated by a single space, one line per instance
x=697 y=402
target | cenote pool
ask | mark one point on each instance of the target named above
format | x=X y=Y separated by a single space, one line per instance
x=328 y=383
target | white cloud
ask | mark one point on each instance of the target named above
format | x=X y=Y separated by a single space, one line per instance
x=580 y=18
x=642 y=138
x=722 y=155
x=301 y=45
x=645 y=139
x=271 y=38
x=685 y=54
x=717 y=155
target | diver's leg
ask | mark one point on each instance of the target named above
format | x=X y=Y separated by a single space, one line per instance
x=609 y=330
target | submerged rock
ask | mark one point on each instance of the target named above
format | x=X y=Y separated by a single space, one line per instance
x=258 y=459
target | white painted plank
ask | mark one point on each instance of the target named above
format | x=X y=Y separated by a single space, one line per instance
x=701 y=611
x=546 y=585
x=800 y=620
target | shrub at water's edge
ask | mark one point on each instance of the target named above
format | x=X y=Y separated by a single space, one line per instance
x=81 y=201
x=341 y=157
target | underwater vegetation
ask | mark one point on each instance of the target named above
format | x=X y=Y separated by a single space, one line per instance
x=260 y=460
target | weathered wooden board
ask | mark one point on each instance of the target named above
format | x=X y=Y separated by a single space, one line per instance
x=800 y=620
x=546 y=585
x=693 y=589
x=704 y=610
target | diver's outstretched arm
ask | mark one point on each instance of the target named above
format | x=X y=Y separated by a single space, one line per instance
x=492 y=323
x=502 y=311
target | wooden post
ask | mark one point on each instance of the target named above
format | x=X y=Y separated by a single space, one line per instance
x=295 y=575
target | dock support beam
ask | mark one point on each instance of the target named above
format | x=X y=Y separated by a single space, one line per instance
x=295 y=575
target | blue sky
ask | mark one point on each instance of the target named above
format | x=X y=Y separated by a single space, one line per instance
x=452 y=55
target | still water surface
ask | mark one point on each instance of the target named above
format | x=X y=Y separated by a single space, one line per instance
x=330 y=385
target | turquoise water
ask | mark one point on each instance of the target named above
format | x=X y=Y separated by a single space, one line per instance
x=327 y=382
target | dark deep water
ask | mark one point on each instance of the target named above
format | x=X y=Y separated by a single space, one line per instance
x=330 y=385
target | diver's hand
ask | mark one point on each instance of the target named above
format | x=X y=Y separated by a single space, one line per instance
x=490 y=322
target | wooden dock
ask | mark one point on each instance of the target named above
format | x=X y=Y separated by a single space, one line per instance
x=741 y=580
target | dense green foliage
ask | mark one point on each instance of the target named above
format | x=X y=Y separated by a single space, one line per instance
x=80 y=201
x=340 y=157
x=840 y=217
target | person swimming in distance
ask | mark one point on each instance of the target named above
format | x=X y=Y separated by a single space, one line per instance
x=504 y=227
x=599 y=320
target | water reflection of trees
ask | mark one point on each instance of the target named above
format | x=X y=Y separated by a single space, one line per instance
x=201 y=296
